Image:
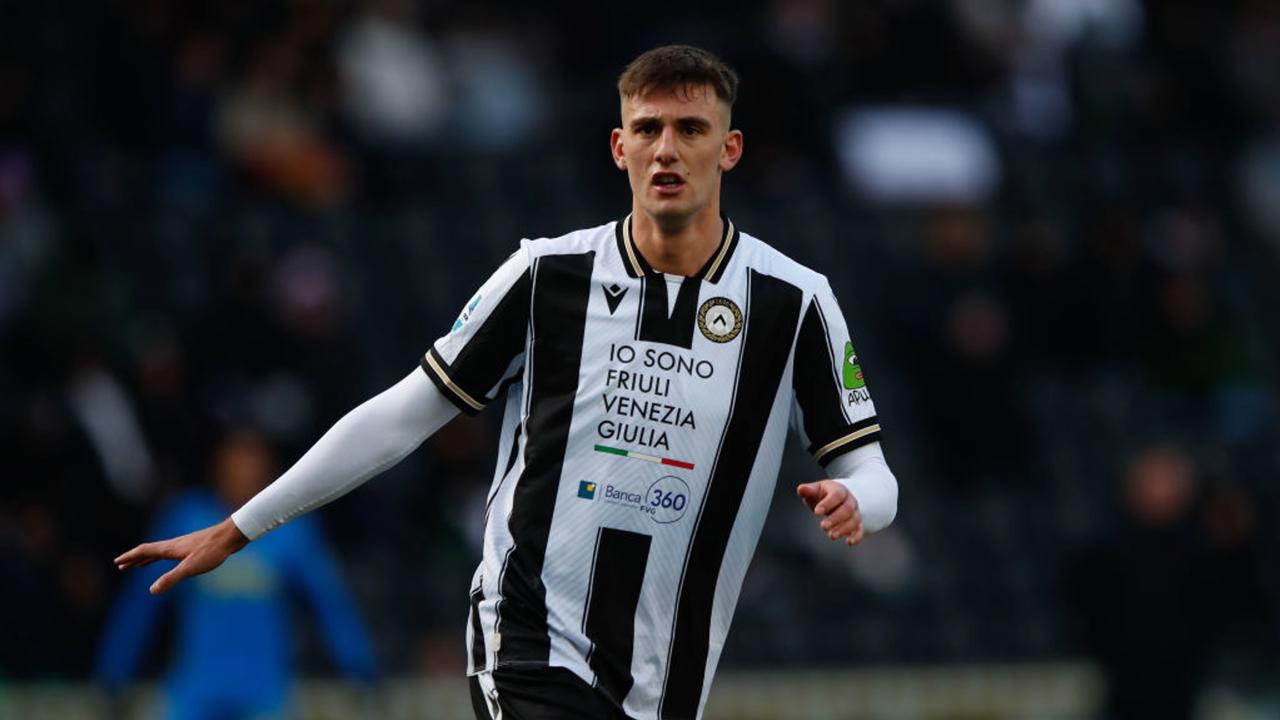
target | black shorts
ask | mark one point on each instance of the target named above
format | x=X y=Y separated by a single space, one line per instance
x=541 y=693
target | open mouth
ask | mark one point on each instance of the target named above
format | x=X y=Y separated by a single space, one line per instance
x=668 y=182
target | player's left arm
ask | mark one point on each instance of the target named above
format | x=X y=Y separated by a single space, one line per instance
x=860 y=498
x=833 y=413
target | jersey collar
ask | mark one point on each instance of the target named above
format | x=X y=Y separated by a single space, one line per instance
x=636 y=266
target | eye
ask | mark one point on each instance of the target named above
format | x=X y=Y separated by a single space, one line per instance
x=647 y=129
x=691 y=130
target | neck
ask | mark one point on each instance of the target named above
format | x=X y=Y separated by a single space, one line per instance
x=679 y=250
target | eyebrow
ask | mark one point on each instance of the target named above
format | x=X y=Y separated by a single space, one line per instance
x=695 y=120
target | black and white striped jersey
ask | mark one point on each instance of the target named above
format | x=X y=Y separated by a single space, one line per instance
x=645 y=417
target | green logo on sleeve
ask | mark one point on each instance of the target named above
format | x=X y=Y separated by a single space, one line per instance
x=852 y=370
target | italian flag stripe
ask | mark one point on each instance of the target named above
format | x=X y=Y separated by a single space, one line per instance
x=641 y=456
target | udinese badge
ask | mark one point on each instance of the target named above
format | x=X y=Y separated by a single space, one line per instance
x=719 y=319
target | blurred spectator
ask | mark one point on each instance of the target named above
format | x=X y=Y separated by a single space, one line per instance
x=1246 y=607
x=25 y=232
x=102 y=408
x=1146 y=593
x=917 y=155
x=188 y=172
x=394 y=84
x=962 y=344
x=500 y=102
x=278 y=139
x=234 y=644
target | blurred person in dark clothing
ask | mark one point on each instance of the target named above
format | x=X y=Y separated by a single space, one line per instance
x=1146 y=593
x=961 y=345
x=56 y=506
x=1245 y=602
x=233 y=651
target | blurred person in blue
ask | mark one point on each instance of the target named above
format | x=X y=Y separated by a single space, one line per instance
x=232 y=655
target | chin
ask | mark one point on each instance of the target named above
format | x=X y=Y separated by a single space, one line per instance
x=673 y=222
x=670 y=215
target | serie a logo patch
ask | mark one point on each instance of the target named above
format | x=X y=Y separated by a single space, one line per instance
x=466 y=313
x=719 y=319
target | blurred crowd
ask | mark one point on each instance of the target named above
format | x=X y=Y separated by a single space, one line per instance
x=1054 y=226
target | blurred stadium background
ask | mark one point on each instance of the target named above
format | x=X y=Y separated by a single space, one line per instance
x=1054 y=226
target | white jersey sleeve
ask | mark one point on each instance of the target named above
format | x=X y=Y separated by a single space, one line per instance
x=484 y=348
x=369 y=439
x=866 y=474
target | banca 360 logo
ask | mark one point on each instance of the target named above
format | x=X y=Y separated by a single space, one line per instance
x=665 y=501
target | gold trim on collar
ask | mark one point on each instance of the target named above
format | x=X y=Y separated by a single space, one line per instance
x=630 y=245
x=725 y=242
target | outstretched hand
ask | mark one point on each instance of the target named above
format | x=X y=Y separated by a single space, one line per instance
x=837 y=507
x=196 y=553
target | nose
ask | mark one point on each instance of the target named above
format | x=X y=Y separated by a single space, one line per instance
x=665 y=153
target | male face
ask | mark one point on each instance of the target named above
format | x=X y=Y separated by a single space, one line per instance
x=674 y=144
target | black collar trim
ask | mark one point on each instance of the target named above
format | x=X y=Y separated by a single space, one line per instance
x=714 y=269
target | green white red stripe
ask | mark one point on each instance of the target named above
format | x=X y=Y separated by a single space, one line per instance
x=641 y=456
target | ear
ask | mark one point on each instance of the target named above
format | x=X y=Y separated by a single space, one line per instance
x=615 y=146
x=731 y=151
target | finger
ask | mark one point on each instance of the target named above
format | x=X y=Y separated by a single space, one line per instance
x=163 y=583
x=850 y=525
x=148 y=553
x=171 y=578
x=808 y=490
x=135 y=564
x=162 y=549
x=842 y=530
x=144 y=554
x=856 y=537
x=834 y=498
x=839 y=517
x=138 y=562
x=848 y=528
x=132 y=556
x=810 y=493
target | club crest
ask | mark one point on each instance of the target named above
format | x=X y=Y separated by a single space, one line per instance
x=719 y=319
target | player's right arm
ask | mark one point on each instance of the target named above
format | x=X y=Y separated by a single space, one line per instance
x=461 y=372
x=366 y=441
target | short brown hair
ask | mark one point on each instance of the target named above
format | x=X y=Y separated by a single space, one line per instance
x=678 y=67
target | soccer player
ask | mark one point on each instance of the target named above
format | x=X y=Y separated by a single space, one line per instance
x=648 y=369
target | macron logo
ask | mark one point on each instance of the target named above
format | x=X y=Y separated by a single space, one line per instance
x=613 y=295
